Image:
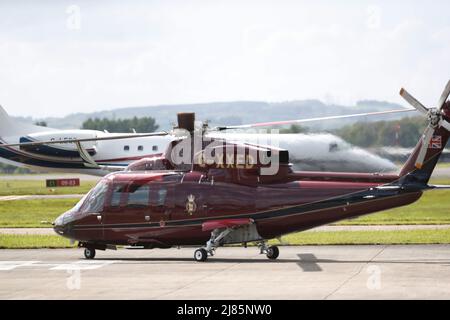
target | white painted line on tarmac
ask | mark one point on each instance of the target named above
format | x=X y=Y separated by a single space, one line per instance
x=83 y=265
x=79 y=265
x=11 y=265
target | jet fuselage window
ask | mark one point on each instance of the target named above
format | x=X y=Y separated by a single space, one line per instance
x=333 y=147
x=126 y=148
x=140 y=148
x=155 y=148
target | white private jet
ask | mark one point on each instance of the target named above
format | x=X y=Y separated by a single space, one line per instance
x=98 y=153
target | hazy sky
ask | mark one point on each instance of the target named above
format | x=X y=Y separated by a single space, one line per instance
x=61 y=57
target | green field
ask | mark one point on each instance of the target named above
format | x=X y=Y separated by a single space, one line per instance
x=8 y=241
x=432 y=208
x=31 y=213
x=368 y=237
x=303 y=238
x=37 y=187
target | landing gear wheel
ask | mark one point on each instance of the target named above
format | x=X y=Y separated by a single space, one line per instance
x=89 y=253
x=272 y=252
x=200 y=255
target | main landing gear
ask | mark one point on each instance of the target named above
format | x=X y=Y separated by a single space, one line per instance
x=201 y=254
x=89 y=253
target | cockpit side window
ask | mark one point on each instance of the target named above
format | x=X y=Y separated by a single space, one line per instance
x=138 y=196
x=96 y=199
x=117 y=191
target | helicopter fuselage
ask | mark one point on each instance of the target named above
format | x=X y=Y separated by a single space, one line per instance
x=168 y=208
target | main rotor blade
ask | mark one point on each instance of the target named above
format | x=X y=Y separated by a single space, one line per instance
x=277 y=123
x=413 y=101
x=118 y=137
x=444 y=96
x=426 y=139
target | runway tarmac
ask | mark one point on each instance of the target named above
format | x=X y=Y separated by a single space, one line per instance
x=328 y=272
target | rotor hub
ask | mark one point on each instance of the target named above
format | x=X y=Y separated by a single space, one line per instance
x=434 y=117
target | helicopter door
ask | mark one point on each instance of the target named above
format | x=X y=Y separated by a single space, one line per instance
x=127 y=205
x=161 y=203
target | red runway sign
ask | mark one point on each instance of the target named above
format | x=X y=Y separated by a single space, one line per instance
x=54 y=183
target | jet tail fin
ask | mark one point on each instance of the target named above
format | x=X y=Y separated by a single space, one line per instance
x=11 y=127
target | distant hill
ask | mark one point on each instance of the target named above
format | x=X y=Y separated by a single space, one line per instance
x=237 y=112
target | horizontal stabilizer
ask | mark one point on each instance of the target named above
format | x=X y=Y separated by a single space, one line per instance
x=439 y=187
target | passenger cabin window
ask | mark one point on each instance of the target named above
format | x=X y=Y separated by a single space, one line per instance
x=155 y=148
x=157 y=196
x=126 y=148
x=333 y=147
x=140 y=148
x=138 y=196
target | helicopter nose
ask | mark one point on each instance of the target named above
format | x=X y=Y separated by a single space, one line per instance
x=59 y=226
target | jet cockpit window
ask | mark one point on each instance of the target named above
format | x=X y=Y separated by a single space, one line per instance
x=96 y=198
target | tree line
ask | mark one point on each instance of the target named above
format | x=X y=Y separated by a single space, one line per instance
x=403 y=133
x=141 y=125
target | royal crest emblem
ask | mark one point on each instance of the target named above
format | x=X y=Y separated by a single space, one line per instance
x=191 y=206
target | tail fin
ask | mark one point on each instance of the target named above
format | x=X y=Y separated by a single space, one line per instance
x=411 y=172
x=419 y=167
x=10 y=127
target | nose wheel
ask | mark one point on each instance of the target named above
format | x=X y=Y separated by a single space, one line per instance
x=272 y=252
x=89 y=253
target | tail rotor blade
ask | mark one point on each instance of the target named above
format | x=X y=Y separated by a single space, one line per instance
x=413 y=101
x=445 y=124
x=426 y=139
x=444 y=96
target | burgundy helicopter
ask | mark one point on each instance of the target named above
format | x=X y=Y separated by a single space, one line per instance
x=159 y=204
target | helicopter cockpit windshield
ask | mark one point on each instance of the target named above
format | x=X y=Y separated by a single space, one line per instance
x=93 y=202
